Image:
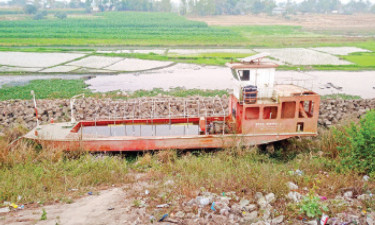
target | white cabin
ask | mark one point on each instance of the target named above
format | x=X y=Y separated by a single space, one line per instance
x=251 y=71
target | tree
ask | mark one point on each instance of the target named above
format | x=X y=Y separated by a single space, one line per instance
x=30 y=9
x=183 y=7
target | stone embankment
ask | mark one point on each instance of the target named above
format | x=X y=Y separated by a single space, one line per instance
x=14 y=112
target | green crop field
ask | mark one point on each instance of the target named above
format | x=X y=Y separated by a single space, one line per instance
x=114 y=28
x=154 y=29
x=362 y=59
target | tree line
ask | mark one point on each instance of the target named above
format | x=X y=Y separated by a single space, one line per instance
x=211 y=7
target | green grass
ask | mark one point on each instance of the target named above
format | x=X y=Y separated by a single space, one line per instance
x=54 y=88
x=363 y=59
x=202 y=58
x=341 y=96
x=59 y=88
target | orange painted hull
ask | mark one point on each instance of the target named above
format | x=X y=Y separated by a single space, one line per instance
x=164 y=143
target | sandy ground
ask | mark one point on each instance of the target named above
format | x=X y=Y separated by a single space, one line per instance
x=333 y=22
x=112 y=206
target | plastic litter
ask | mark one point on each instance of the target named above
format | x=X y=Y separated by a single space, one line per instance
x=110 y=208
x=147 y=192
x=323 y=198
x=366 y=178
x=297 y=172
x=163 y=206
x=213 y=206
x=223 y=193
x=203 y=201
x=21 y=207
x=324 y=219
x=89 y=193
x=163 y=217
x=14 y=206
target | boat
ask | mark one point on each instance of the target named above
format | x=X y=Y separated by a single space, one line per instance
x=260 y=111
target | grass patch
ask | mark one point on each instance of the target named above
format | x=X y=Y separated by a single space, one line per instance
x=218 y=59
x=341 y=96
x=363 y=59
x=60 y=88
x=55 y=88
x=47 y=175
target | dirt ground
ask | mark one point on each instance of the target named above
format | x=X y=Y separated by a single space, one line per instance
x=315 y=22
x=106 y=207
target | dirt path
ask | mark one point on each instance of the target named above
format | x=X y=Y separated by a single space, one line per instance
x=92 y=209
x=111 y=206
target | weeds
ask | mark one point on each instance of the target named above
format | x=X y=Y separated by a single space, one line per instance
x=44 y=215
x=60 y=88
x=47 y=174
x=312 y=206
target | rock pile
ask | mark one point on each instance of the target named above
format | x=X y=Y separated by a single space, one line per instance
x=264 y=208
x=22 y=111
x=332 y=111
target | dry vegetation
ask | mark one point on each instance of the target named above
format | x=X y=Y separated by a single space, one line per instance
x=41 y=175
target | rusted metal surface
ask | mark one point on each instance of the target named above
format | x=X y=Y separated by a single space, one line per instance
x=285 y=111
x=164 y=143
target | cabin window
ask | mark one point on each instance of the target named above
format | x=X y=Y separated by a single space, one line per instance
x=234 y=74
x=244 y=75
x=306 y=109
x=270 y=112
x=252 y=113
x=288 y=110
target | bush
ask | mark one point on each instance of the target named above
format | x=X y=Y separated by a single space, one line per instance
x=30 y=9
x=357 y=149
x=61 y=15
x=40 y=15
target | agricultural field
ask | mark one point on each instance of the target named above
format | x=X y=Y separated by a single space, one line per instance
x=157 y=29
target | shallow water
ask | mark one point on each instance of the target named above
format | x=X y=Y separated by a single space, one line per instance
x=192 y=76
x=25 y=79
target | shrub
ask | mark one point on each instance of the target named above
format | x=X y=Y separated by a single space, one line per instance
x=60 y=15
x=40 y=15
x=357 y=149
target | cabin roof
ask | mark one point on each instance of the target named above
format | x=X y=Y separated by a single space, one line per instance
x=254 y=61
x=240 y=65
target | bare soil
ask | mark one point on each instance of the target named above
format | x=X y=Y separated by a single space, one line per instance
x=314 y=22
x=110 y=206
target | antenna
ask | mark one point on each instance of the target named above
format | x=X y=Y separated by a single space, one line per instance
x=35 y=108
x=72 y=100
